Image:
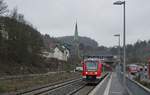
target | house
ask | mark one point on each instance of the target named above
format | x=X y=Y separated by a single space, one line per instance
x=59 y=52
x=47 y=54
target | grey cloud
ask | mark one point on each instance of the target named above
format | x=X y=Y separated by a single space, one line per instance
x=98 y=19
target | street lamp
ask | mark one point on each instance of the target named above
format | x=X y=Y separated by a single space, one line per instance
x=119 y=56
x=124 y=39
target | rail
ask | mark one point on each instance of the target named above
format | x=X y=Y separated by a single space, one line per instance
x=47 y=88
x=136 y=88
x=75 y=92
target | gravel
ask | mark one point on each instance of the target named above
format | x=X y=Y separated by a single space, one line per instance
x=85 y=90
x=66 y=89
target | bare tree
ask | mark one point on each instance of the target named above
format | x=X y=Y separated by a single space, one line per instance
x=15 y=15
x=3 y=7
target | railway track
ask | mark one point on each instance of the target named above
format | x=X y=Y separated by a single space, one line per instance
x=70 y=87
x=66 y=89
x=82 y=90
x=45 y=89
x=85 y=89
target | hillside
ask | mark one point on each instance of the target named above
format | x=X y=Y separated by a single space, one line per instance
x=86 y=44
x=82 y=40
x=20 y=46
x=20 y=49
x=138 y=52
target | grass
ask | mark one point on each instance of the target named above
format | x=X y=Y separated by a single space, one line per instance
x=144 y=83
x=26 y=83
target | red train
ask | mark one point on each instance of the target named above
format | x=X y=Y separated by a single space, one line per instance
x=92 y=69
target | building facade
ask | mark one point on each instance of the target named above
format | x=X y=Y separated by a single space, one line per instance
x=59 y=52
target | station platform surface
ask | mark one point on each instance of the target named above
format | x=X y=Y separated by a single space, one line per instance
x=111 y=85
x=114 y=87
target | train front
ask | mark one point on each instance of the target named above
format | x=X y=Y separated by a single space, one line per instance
x=92 y=70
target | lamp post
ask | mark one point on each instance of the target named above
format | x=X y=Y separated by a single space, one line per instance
x=119 y=56
x=124 y=39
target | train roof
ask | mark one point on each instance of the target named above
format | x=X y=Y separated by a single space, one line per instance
x=93 y=59
x=99 y=57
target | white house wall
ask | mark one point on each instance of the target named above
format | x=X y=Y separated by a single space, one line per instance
x=58 y=54
x=51 y=55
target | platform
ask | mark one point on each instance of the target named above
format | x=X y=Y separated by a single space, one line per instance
x=114 y=87
x=110 y=86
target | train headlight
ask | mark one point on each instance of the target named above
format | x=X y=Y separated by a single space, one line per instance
x=86 y=72
x=96 y=73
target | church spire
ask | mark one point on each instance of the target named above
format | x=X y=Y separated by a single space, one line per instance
x=76 y=32
x=76 y=42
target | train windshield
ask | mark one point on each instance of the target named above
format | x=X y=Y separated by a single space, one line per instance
x=91 y=65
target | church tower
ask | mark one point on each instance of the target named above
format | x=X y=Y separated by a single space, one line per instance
x=76 y=38
x=76 y=42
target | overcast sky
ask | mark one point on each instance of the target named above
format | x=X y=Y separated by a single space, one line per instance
x=97 y=19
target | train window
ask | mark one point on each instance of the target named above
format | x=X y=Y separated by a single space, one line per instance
x=91 y=65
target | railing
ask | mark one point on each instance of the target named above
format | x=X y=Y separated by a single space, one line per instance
x=136 y=88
